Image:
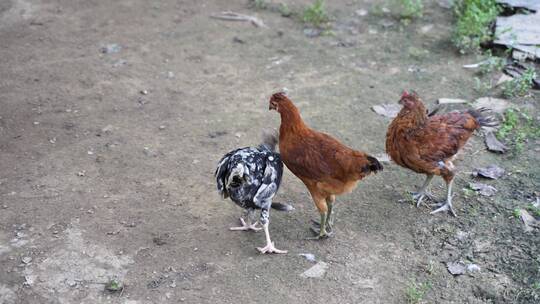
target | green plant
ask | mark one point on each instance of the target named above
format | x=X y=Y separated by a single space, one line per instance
x=430 y=267
x=482 y=87
x=410 y=9
x=415 y=292
x=521 y=85
x=474 y=18
x=468 y=192
x=377 y=10
x=259 y=4
x=490 y=64
x=516 y=213
x=536 y=211
x=114 y=285
x=315 y=14
x=517 y=127
x=510 y=122
x=284 y=10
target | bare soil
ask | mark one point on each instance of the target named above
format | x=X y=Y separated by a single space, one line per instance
x=106 y=159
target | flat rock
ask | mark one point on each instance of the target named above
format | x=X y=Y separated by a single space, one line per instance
x=309 y=256
x=518 y=29
x=111 y=48
x=450 y=100
x=472 y=268
x=504 y=78
x=361 y=12
x=387 y=110
x=312 y=32
x=533 y=5
x=26 y=260
x=316 y=271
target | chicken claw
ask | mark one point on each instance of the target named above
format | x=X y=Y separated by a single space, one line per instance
x=319 y=235
x=422 y=192
x=246 y=227
x=269 y=244
x=270 y=249
x=316 y=227
x=445 y=207
x=419 y=196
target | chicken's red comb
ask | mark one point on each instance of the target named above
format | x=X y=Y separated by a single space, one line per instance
x=279 y=95
x=404 y=94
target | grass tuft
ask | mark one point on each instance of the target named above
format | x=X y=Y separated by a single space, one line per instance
x=316 y=14
x=473 y=26
x=519 y=86
x=517 y=128
x=411 y=9
x=415 y=292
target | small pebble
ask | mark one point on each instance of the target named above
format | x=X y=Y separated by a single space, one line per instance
x=361 y=12
x=111 y=48
x=144 y=92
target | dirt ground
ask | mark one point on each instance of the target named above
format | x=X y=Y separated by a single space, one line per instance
x=107 y=157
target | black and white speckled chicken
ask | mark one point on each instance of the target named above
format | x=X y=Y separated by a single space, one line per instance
x=250 y=177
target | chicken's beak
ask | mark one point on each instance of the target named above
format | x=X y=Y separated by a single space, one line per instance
x=400 y=101
x=272 y=106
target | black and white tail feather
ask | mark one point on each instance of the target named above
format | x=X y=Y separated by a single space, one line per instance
x=481 y=115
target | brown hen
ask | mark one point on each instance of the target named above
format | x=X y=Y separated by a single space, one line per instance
x=428 y=144
x=326 y=166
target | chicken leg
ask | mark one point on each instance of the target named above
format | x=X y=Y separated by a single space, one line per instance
x=447 y=206
x=324 y=205
x=265 y=220
x=321 y=231
x=247 y=226
x=269 y=248
x=422 y=192
x=330 y=217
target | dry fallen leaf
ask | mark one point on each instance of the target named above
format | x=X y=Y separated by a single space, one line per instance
x=456 y=268
x=491 y=171
x=493 y=144
x=483 y=189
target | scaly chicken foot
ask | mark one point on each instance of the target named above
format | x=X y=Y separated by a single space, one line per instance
x=418 y=197
x=321 y=232
x=246 y=226
x=422 y=192
x=447 y=206
x=269 y=248
x=329 y=222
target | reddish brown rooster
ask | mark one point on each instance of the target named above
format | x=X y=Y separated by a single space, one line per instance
x=326 y=166
x=428 y=144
